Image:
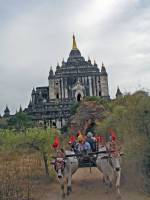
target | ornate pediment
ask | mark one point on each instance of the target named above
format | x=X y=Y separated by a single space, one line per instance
x=78 y=86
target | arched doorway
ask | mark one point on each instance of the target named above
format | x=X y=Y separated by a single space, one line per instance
x=79 y=97
x=57 y=96
x=54 y=124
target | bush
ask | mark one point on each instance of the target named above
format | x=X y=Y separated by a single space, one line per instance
x=32 y=140
x=74 y=107
x=20 y=121
x=129 y=116
x=98 y=100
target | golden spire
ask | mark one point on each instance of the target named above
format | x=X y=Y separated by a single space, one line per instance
x=74 y=45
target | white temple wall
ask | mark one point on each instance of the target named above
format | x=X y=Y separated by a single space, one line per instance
x=51 y=89
x=90 y=86
x=98 y=85
x=94 y=86
x=104 y=86
x=62 y=88
x=58 y=123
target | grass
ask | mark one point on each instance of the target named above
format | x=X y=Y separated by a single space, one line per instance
x=19 y=175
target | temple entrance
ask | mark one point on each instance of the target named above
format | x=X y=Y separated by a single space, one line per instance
x=57 y=96
x=78 y=91
x=54 y=125
x=79 y=97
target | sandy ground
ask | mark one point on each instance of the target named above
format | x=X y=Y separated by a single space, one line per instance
x=89 y=186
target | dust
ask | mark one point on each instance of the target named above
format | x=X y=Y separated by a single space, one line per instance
x=88 y=186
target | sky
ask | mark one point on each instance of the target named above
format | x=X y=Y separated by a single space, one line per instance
x=37 y=34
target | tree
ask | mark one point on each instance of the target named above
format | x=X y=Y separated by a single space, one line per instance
x=32 y=139
x=74 y=107
x=20 y=121
x=129 y=116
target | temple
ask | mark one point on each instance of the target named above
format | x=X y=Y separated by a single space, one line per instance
x=73 y=80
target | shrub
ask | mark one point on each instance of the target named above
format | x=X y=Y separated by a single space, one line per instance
x=74 y=107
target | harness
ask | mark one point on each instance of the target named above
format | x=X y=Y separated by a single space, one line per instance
x=59 y=164
x=111 y=152
x=114 y=154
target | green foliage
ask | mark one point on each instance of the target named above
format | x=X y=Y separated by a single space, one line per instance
x=3 y=123
x=28 y=141
x=74 y=107
x=93 y=98
x=146 y=165
x=20 y=121
x=129 y=116
x=98 y=100
x=32 y=138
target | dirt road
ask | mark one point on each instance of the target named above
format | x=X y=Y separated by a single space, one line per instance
x=89 y=186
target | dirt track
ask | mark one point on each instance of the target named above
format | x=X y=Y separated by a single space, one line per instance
x=88 y=186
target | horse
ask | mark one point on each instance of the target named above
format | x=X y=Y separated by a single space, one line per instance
x=65 y=167
x=109 y=165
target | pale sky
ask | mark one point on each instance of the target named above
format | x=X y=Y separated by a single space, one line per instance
x=35 y=34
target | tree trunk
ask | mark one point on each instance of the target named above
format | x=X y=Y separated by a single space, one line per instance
x=45 y=163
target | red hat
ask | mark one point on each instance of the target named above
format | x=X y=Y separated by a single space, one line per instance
x=100 y=138
x=72 y=139
x=56 y=142
x=113 y=135
x=78 y=133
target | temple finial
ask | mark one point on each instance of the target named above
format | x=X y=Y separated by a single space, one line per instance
x=89 y=60
x=74 y=45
